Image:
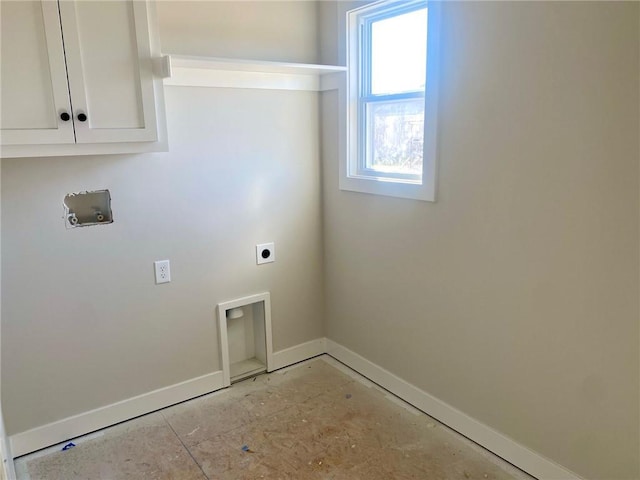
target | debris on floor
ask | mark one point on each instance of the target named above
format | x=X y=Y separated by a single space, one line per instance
x=304 y=430
x=68 y=446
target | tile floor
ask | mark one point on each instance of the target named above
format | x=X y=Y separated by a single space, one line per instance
x=315 y=420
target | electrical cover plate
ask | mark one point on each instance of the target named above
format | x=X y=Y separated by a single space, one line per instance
x=163 y=271
x=265 y=253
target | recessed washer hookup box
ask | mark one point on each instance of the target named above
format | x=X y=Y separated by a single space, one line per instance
x=88 y=208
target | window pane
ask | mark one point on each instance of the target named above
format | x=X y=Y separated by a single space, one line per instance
x=395 y=136
x=399 y=53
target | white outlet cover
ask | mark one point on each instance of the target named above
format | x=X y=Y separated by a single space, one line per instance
x=163 y=271
x=265 y=253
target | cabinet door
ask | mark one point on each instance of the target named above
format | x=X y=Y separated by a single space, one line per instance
x=34 y=90
x=109 y=66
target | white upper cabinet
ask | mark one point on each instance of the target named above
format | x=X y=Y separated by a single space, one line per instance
x=33 y=77
x=109 y=66
x=76 y=78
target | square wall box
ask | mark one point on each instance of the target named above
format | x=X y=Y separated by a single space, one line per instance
x=245 y=337
x=85 y=209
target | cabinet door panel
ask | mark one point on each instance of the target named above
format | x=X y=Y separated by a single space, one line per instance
x=110 y=74
x=34 y=82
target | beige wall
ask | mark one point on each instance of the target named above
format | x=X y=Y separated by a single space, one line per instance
x=6 y=463
x=261 y=30
x=83 y=324
x=514 y=298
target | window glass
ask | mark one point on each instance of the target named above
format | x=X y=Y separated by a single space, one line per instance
x=396 y=133
x=391 y=111
x=399 y=53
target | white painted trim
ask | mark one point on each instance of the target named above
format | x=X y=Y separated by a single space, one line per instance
x=245 y=65
x=224 y=346
x=73 y=149
x=161 y=66
x=188 y=71
x=352 y=120
x=298 y=353
x=332 y=81
x=7 y=467
x=71 y=427
x=199 y=77
x=222 y=330
x=494 y=441
x=81 y=424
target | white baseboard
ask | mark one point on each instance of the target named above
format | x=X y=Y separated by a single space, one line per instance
x=296 y=354
x=7 y=469
x=71 y=427
x=503 y=446
x=494 y=441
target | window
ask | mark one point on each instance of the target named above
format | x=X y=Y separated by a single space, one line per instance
x=391 y=100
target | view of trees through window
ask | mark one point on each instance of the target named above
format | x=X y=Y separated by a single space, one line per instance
x=391 y=106
x=397 y=136
x=395 y=103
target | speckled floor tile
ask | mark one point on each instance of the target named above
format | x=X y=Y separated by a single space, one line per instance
x=316 y=420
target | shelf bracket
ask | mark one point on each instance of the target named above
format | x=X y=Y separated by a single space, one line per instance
x=162 y=66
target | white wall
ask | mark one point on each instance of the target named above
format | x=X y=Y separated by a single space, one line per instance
x=514 y=297
x=83 y=324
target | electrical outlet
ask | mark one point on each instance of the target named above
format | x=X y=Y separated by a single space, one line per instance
x=265 y=253
x=163 y=271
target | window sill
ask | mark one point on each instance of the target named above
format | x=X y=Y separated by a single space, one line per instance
x=388 y=188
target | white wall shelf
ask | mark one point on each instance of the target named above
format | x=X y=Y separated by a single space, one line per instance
x=189 y=71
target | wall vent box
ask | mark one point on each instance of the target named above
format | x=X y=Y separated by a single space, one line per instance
x=88 y=208
x=245 y=337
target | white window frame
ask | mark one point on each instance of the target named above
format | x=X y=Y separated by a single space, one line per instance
x=354 y=176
